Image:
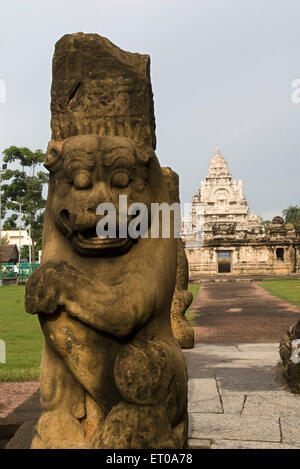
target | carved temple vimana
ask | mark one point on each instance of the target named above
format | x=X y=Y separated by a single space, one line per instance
x=221 y=237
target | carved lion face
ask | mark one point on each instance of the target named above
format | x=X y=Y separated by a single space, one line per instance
x=89 y=170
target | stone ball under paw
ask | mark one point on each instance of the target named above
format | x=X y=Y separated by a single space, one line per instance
x=142 y=373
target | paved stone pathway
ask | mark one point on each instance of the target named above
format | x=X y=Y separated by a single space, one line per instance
x=228 y=312
x=234 y=401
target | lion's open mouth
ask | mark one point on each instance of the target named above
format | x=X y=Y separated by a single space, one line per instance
x=88 y=243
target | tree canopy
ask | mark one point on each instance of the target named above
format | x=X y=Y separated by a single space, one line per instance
x=25 y=186
x=292 y=215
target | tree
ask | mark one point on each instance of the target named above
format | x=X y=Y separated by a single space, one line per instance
x=25 y=252
x=292 y=215
x=11 y=222
x=4 y=240
x=25 y=186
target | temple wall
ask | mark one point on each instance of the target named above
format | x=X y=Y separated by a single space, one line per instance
x=245 y=259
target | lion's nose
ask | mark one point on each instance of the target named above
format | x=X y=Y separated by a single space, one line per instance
x=85 y=220
x=101 y=193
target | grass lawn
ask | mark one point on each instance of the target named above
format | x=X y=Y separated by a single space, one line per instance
x=194 y=288
x=22 y=335
x=288 y=289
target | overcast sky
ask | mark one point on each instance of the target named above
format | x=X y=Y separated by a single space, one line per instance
x=221 y=75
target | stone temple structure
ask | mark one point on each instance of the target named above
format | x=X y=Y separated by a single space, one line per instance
x=221 y=237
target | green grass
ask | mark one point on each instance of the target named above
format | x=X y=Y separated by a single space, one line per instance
x=288 y=289
x=22 y=335
x=194 y=288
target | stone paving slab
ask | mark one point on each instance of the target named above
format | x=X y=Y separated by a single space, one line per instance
x=231 y=444
x=238 y=355
x=234 y=427
x=197 y=443
x=198 y=368
x=273 y=404
x=233 y=404
x=290 y=427
x=246 y=380
x=213 y=352
x=203 y=396
x=202 y=360
x=258 y=348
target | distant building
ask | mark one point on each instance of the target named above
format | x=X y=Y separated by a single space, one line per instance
x=14 y=235
x=221 y=237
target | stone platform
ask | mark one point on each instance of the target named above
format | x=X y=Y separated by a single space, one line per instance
x=240 y=278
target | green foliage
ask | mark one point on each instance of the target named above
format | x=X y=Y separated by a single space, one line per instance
x=22 y=335
x=292 y=215
x=10 y=223
x=25 y=252
x=24 y=185
x=4 y=240
x=265 y=224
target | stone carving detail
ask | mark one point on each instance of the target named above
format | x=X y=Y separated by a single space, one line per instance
x=289 y=351
x=102 y=100
x=112 y=373
x=182 y=298
x=277 y=220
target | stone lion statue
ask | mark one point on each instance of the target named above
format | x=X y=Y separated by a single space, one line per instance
x=289 y=350
x=112 y=373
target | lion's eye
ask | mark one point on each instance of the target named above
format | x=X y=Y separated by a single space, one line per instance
x=82 y=180
x=120 y=179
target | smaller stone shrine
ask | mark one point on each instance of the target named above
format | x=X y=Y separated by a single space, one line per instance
x=221 y=237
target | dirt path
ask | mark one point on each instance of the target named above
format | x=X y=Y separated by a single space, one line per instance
x=230 y=312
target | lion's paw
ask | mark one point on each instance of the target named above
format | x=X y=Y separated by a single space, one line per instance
x=43 y=288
